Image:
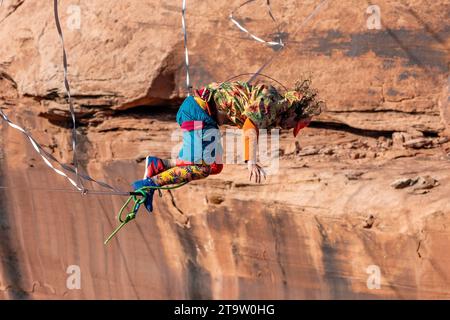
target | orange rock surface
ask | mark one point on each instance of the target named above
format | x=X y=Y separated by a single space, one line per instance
x=313 y=230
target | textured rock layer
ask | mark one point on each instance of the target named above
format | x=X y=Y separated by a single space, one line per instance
x=310 y=231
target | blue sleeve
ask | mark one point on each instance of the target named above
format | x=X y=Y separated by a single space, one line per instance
x=191 y=111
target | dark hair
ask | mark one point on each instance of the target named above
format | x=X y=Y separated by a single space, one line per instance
x=309 y=105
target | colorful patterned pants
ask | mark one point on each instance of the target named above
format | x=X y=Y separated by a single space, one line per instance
x=182 y=174
x=164 y=173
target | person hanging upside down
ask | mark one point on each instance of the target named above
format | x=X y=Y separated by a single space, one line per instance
x=249 y=107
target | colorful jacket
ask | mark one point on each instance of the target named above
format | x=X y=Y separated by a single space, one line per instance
x=201 y=135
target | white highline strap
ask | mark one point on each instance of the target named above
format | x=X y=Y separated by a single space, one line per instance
x=186 y=52
x=69 y=96
x=38 y=150
x=309 y=17
x=47 y=157
x=269 y=43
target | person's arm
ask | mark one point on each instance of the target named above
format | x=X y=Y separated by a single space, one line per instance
x=250 y=136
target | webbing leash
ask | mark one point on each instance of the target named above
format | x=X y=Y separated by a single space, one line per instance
x=132 y=214
x=139 y=197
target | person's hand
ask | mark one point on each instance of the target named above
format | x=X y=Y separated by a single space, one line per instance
x=255 y=171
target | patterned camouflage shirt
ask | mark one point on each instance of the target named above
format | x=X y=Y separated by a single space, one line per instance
x=260 y=103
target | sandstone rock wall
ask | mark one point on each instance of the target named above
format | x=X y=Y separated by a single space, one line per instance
x=311 y=231
x=130 y=53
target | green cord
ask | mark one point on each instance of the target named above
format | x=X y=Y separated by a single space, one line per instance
x=163 y=188
x=128 y=219
x=137 y=203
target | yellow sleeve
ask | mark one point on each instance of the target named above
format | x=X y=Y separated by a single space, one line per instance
x=201 y=102
x=250 y=135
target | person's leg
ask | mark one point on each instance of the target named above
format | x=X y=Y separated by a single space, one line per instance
x=173 y=175
x=161 y=172
x=154 y=166
x=180 y=174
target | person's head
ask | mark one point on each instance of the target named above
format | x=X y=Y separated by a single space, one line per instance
x=207 y=95
x=292 y=121
x=303 y=105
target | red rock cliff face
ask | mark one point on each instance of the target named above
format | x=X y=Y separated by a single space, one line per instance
x=313 y=230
